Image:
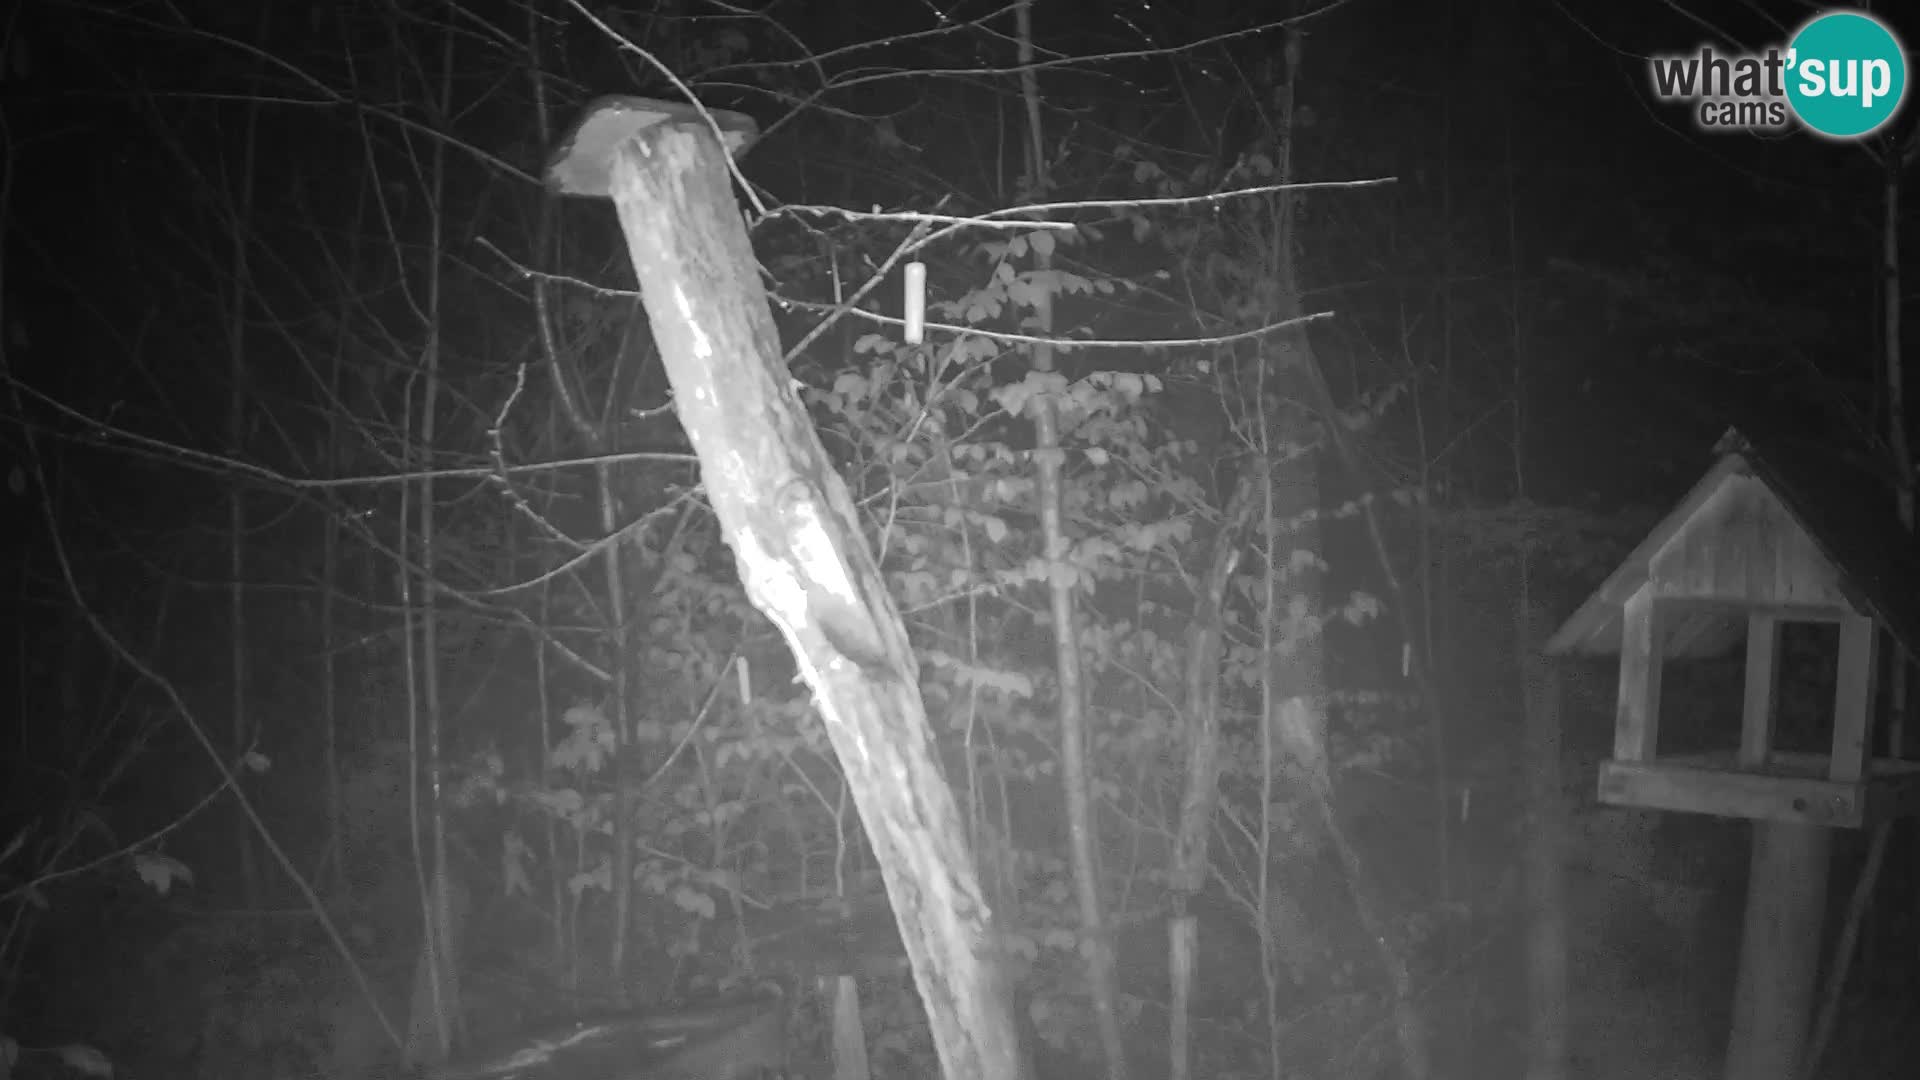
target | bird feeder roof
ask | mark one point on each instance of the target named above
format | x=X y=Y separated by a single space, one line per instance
x=1826 y=519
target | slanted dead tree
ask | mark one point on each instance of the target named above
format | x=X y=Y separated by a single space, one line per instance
x=797 y=542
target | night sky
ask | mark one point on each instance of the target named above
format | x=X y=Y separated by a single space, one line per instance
x=1531 y=125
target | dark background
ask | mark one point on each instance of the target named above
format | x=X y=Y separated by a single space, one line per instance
x=1572 y=290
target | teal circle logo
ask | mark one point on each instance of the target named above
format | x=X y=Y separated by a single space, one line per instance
x=1846 y=74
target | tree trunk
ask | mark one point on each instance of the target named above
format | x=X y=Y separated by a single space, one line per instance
x=242 y=729
x=806 y=565
x=440 y=956
x=1899 y=156
x=1187 y=874
x=1546 y=875
x=1075 y=768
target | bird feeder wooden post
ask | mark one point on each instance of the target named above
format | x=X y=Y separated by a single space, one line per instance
x=797 y=541
x=1762 y=540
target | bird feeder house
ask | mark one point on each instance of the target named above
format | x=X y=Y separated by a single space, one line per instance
x=1762 y=540
x=1746 y=551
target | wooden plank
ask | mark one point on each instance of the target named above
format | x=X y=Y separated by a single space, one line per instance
x=1762 y=684
x=1594 y=629
x=1636 y=727
x=1726 y=793
x=1806 y=613
x=1853 y=693
x=1742 y=545
x=1793 y=789
x=1779 y=951
x=849 y=1036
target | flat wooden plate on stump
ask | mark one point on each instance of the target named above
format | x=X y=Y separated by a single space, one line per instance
x=583 y=162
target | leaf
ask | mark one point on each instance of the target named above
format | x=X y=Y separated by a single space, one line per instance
x=255 y=762
x=588 y=744
x=84 y=1059
x=160 y=871
x=693 y=901
x=1041 y=242
x=513 y=867
x=1014 y=398
x=597 y=878
x=580 y=716
x=721 y=879
x=1128 y=384
x=561 y=802
x=1012 y=683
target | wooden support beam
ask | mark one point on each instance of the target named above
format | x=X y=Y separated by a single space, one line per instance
x=1853 y=688
x=1636 y=728
x=1779 y=951
x=849 y=1036
x=1762 y=686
